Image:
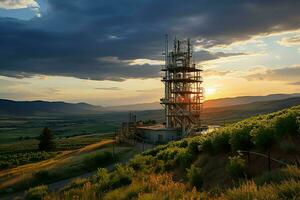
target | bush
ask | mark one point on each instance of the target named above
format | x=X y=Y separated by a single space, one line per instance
x=36 y=193
x=102 y=180
x=168 y=153
x=263 y=137
x=240 y=140
x=121 y=176
x=287 y=124
x=207 y=146
x=221 y=142
x=184 y=158
x=195 y=176
x=236 y=167
x=140 y=162
x=193 y=146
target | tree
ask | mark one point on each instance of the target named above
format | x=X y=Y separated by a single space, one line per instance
x=46 y=140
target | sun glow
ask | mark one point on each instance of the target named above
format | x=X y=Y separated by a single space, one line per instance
x=210 y=91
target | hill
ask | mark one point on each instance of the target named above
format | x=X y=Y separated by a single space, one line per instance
x=228 y=114
x=253 y=159
x=44 y=108
x=30 y=108
x=224 y=102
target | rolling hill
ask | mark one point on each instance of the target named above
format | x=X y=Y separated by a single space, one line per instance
x=235 y=105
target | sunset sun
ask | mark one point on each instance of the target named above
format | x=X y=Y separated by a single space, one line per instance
x=209 y=91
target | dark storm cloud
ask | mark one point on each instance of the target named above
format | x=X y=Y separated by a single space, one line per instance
x=70 y=38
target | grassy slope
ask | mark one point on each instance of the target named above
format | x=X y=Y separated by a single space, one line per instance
x=67 y=164
x=170 y=171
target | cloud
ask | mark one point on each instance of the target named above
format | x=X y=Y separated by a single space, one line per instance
x=108 y=88
x=204 y=55
x=295 y=83
x=281 y=74
x=211 y=72
x=290 y=41
x=75 y=36
x=20 y=4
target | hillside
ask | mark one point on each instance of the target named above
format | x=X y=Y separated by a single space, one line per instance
x=213 y=166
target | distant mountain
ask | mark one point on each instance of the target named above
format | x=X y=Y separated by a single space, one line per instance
x=223 y=102
x=136 y=107
x=221 y=115
x=10 y=107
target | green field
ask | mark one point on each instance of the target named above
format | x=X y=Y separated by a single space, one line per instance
x=14 y=129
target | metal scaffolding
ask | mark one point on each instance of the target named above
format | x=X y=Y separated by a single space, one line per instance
x=183 y=92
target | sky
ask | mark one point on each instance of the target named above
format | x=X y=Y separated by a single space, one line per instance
x=110 y=52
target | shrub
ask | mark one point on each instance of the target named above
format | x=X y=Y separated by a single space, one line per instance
x=221 y=142
x=168 y=153
x=181 y=143
x=121 y=176
x=287 y=123
x=102 y=180
x=195 y=176
x=236 y=167
x=263 y=137
x=36 y=193
x=184 y=158
x=193 y=146
x=207 y=146
x=240 y=140
x=140 y=162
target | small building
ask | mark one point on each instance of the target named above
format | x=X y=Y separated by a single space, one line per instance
x=158 y=133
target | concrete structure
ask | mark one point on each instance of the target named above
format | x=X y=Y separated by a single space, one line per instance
x=158 y=133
